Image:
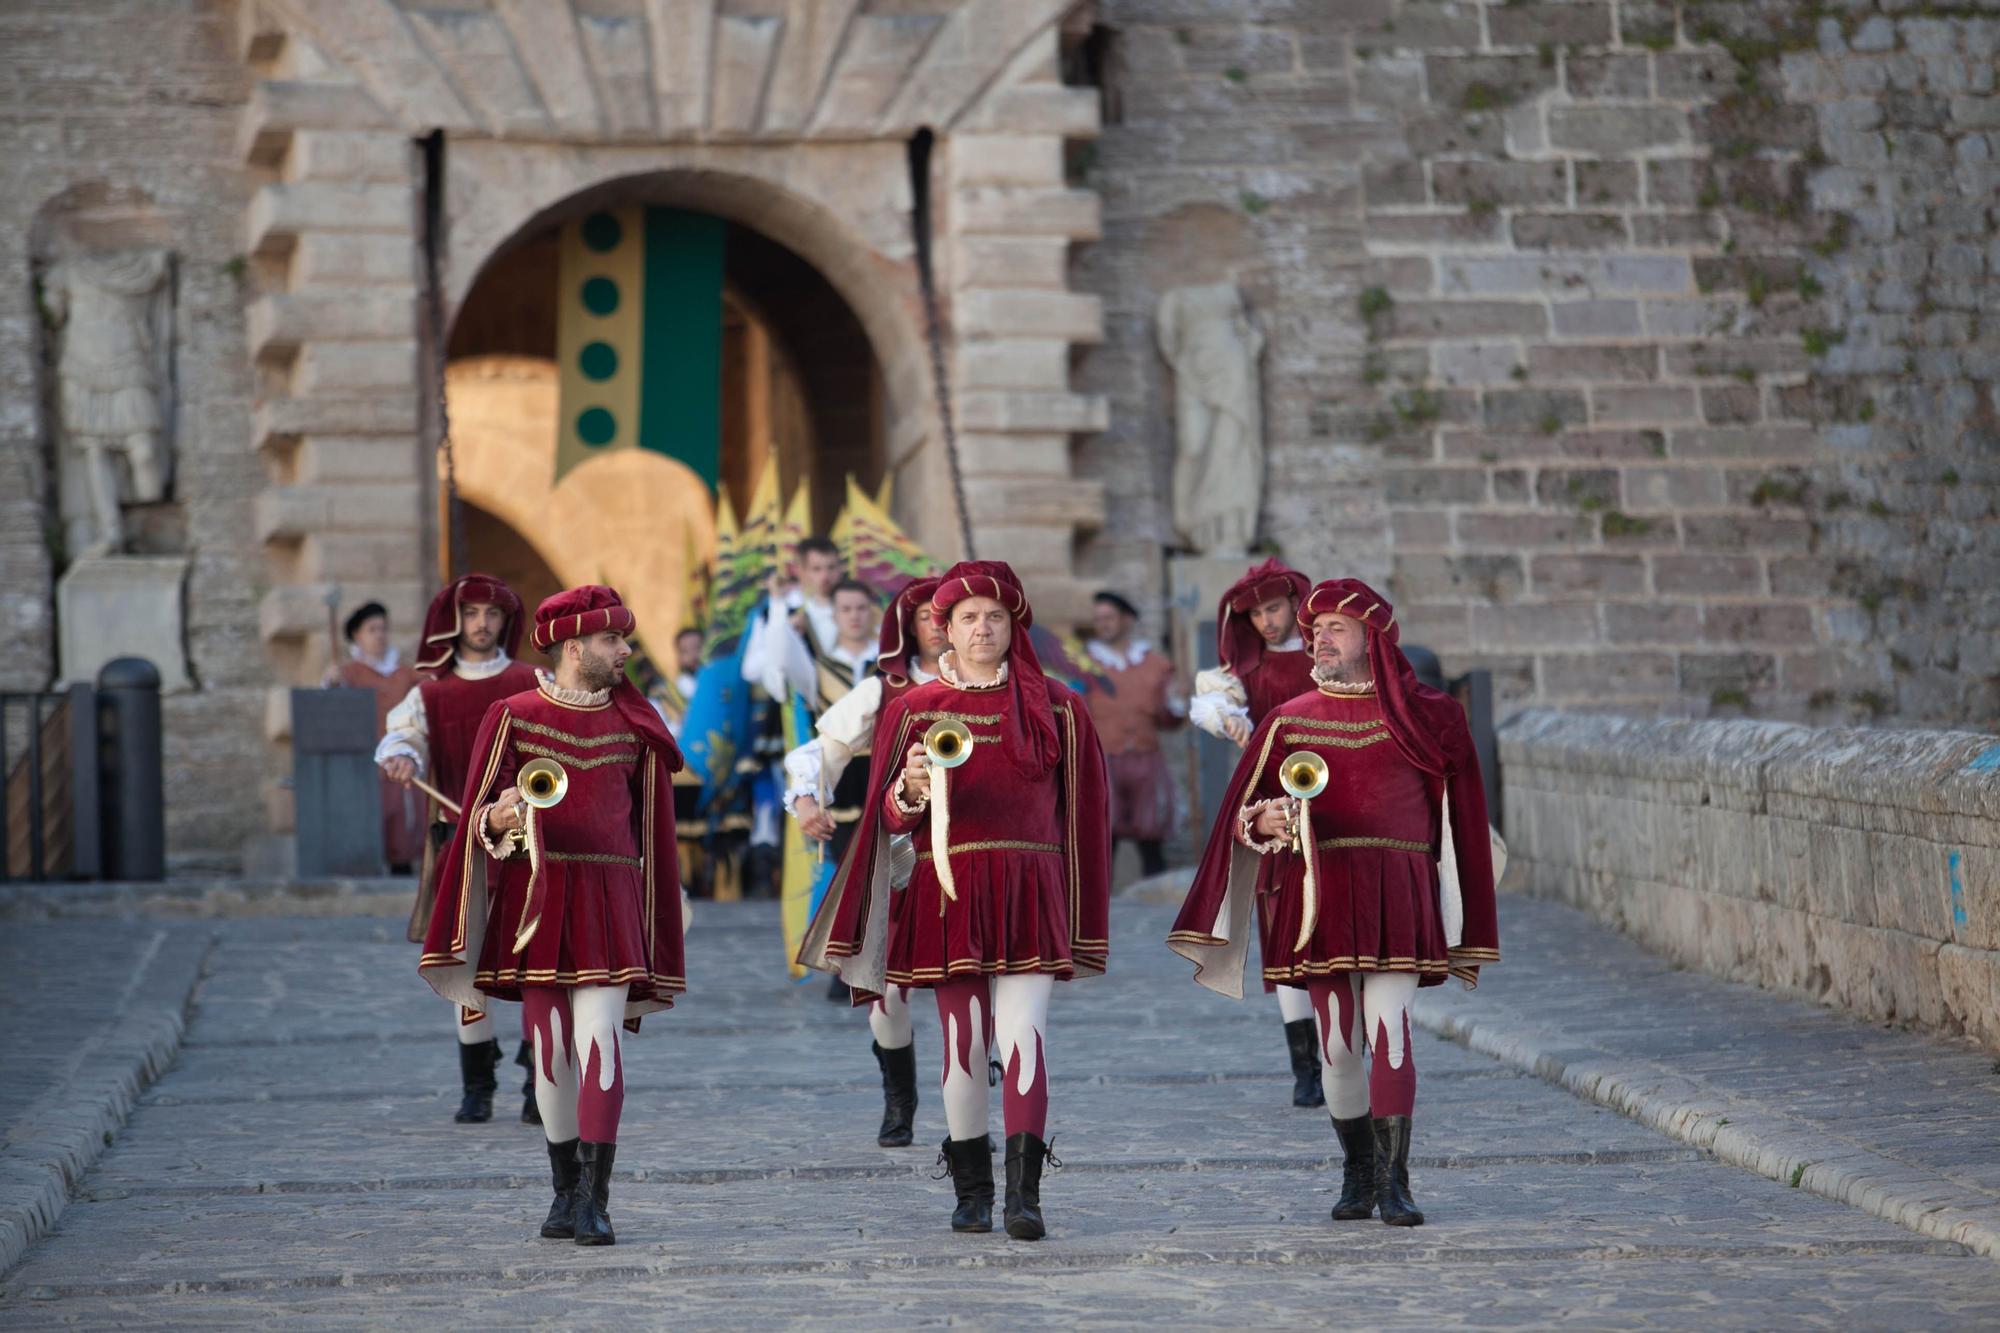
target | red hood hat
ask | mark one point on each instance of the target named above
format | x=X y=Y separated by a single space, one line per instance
x=1238 y=645
x=575 y=612
x=1406 y=702
x=996 y=579
x=441 y=621
x=898 y=643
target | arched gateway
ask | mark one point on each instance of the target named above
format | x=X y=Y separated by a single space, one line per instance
x=423 y=167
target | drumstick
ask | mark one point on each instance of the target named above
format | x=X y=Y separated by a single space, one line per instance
x=437 y=796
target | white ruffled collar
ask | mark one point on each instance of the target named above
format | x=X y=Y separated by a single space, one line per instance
x=562 y=694
x=491 y=667
x=1341 y=689
x=385 y=665
x=951 y=677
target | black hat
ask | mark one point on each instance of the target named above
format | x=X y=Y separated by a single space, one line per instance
x=1106 y=595
x=361 y=615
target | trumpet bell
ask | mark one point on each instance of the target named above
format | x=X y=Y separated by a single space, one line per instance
x=948 y=744
x=1302 y=775
x=543 y=782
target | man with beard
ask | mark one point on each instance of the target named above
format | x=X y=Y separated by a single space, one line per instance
x=1260 y=663
x=583 y=925
x=1011 y=886
x=471 y=633
x=1361 y=915
x=827 y=781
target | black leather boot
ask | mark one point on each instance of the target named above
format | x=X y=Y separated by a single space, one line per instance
x=1023 y=1210
x=565 y=1170
x=531 y=1114
x=899 y=1095
x=970 y=1162
x=1357 y=1176
x=1392 y=1172
x=475 y=1077
x=1303 y=1042
x=593 y=1194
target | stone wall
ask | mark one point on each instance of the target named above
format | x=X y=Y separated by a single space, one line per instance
x=123 y=115
x=1636 y=344
x=1858 y=867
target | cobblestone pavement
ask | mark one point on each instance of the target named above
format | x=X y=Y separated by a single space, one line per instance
x=298 y=1165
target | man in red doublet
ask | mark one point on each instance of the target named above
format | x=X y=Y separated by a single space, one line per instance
x=1011 y=885
x=373 y=663
x=1132 y=699
x=833 y=773
x=1261 y=661
x=582 y=921
x=471 y=633
x=1379 y=884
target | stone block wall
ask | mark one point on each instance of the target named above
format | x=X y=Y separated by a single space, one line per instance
x=1637 y=345
x=1858 y=867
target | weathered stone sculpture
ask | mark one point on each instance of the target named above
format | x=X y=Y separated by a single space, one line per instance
x=1210 y=341
x=111 y=391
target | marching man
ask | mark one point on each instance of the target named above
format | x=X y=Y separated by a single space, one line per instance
x=583 y=922
x=1381 y=880
x=1011 y=885
x=1261 y=663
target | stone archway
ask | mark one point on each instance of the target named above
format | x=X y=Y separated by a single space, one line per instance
x=799 y=119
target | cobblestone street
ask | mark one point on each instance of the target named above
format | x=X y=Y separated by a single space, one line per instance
x=297 y=1162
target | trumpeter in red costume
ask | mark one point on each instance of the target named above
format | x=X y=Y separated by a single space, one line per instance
x=573 y=908
x=472 y=633
x=1359 y=911
x=1010 y=888
x=1261 y=661
x=832 y=775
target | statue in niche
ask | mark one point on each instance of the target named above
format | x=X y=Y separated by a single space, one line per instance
x=112 y=318
x=1208 y=338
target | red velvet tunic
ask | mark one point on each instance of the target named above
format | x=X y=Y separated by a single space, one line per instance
x=1377 y=829
x=453 y=709
x=1030 y=856
x=1278 y=676
x=594 y=898
x=402 y=821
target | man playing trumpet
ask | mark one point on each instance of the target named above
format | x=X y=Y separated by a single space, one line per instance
x=570 y=794
x=1345 y=804
x=1008 y=810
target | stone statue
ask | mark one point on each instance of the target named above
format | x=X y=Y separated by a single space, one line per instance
x=111 y=379
x=1209 y=340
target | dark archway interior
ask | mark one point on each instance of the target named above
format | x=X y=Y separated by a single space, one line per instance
x=512 y=309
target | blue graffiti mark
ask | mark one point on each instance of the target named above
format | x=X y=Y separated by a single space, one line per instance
x=1987 y=761
x=1957 y=890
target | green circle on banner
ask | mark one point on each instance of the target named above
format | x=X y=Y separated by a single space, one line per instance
x=597 y=361
x=600 y=296
x=601 y=232
x=595 y=426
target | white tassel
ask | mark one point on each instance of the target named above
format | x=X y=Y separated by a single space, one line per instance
x=1451 y=903
x=941 y=833
x=1308 y=849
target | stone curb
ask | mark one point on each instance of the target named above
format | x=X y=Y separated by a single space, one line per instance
x=1743 y=1133
x=61 y=1136
x=208 y=899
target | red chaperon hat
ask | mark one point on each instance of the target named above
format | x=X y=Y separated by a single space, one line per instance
x=441 y=621
x=997 y=579
x=1407 y=704
x=1238 y=645
x=898 y=643
x=575 y=612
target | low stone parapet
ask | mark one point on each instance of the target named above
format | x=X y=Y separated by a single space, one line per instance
x=1858 y=867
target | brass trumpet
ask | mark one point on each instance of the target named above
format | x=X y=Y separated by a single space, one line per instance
x=1303 y=775
x=948 y=744
x=543 y=782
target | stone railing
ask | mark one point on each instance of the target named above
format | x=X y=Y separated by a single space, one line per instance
x=1858 y=867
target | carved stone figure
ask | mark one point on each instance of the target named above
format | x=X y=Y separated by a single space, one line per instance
x=111 y=372
x=1210 y=341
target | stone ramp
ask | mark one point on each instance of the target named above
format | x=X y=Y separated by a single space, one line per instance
x=298 y=1165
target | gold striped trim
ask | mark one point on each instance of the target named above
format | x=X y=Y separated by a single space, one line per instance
x=1341 y=605
x=1476 y=955
x=581 y=742
x=938 y=715
x=998 y=845
x=596 y=858
x=976 y=967
x=1429 y=967
x=1329 y=724
x=1194 y=937
x=1338 y=742
x=1392 y=844
x=572 y=761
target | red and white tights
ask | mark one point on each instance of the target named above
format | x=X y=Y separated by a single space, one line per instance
x=579 y=1075
x=1007 y=1016
x=1362 y=1014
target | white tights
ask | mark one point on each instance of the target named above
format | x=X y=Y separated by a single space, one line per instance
x=1020 y=1009
x=889 y=1019
x=1294 y=1003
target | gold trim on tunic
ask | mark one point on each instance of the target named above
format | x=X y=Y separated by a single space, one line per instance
x=581 y=742
x=1338 y=742
x=573 y=761
x=997 y=845
x=1329 y=724
x=596 y=858
x=1393 y=844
